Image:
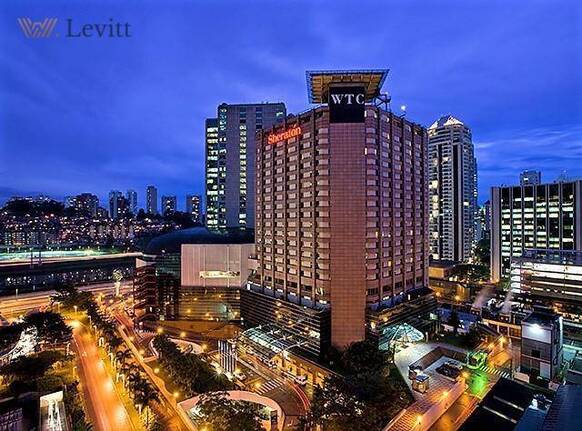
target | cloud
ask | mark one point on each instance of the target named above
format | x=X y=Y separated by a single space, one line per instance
x=552 y=151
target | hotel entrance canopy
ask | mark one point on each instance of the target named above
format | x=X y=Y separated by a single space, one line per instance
x=399 y=333
x=270 y=340
x=318 y=82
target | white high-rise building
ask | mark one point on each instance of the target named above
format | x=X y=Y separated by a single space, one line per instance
x=131 y=196
x=452 y=190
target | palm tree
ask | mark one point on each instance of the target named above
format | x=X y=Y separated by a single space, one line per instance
x=144 y=394
x=122 y=356
x=134 y=376
x=125 y=370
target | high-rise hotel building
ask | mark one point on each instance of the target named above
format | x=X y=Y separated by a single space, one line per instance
x=230 y=162
x=543 y=216
x=452 y=189
x=342 y=217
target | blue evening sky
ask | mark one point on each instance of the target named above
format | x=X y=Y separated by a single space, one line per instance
x=91 y=115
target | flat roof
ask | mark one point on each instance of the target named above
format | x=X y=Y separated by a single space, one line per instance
x=539 y=317
x=318 y=82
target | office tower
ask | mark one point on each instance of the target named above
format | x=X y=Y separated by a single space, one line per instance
x=169 y=204
x=341 y=227
x=530 y=178
x=131 y=197
x=152 y=200
x=545 y=216
x=483 y=222
x=85 y=204
x=452 y=189
x=114 y=199
x=193 y=207
x=230 y=162
x=215 y=173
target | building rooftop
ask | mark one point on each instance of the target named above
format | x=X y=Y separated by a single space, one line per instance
x=172 y=242
x=541 y=317
x=502 y=407
x=318 y=82
x=563 y=413
x=446 y=120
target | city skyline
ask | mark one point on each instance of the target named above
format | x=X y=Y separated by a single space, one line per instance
x=159 y=130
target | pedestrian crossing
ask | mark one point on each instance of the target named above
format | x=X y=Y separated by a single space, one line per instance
x=490 y=369
x=270 y=385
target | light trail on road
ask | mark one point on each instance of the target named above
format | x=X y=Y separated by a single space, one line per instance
x=104 y=404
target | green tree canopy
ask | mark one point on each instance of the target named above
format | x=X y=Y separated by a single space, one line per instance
x=363 y=357
x=51 y=326
x=30 y=367
x=366 y=395
x=218 y=413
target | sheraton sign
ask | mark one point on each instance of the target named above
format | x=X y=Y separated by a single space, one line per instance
x=292 y=132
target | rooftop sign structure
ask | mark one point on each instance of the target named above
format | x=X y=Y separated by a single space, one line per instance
x=319 y=81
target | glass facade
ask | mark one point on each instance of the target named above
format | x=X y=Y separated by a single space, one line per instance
x=546 y=216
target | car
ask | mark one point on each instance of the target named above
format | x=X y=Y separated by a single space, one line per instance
x=240 y=376
x=448 y=371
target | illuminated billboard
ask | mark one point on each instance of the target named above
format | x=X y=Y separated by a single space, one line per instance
x=346 y=104
x=292 y=132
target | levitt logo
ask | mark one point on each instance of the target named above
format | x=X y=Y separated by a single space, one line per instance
x=44 y=29
x=37 y=29
x=346 y=104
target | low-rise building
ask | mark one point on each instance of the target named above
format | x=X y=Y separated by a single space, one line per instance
x=541 y=344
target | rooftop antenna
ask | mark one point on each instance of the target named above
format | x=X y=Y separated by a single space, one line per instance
x=383 y=101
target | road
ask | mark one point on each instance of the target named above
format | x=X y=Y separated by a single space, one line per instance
x=174 y=418
x=104 y=404
x=11 y=306
x=454 y=417
x=272 y=384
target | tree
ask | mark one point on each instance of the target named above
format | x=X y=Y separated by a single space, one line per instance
x=51 y=326
x=72 y=400
x=483 y=252
x=471 y=273
x=122 y=356
x=218 y=413
x=9 y=335
x=69 y=297
x=363 y=357
x=193 y=374
x=30 y=367
x=365 y=396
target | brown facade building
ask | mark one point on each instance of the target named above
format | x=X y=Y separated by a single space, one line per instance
x=341 y=212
